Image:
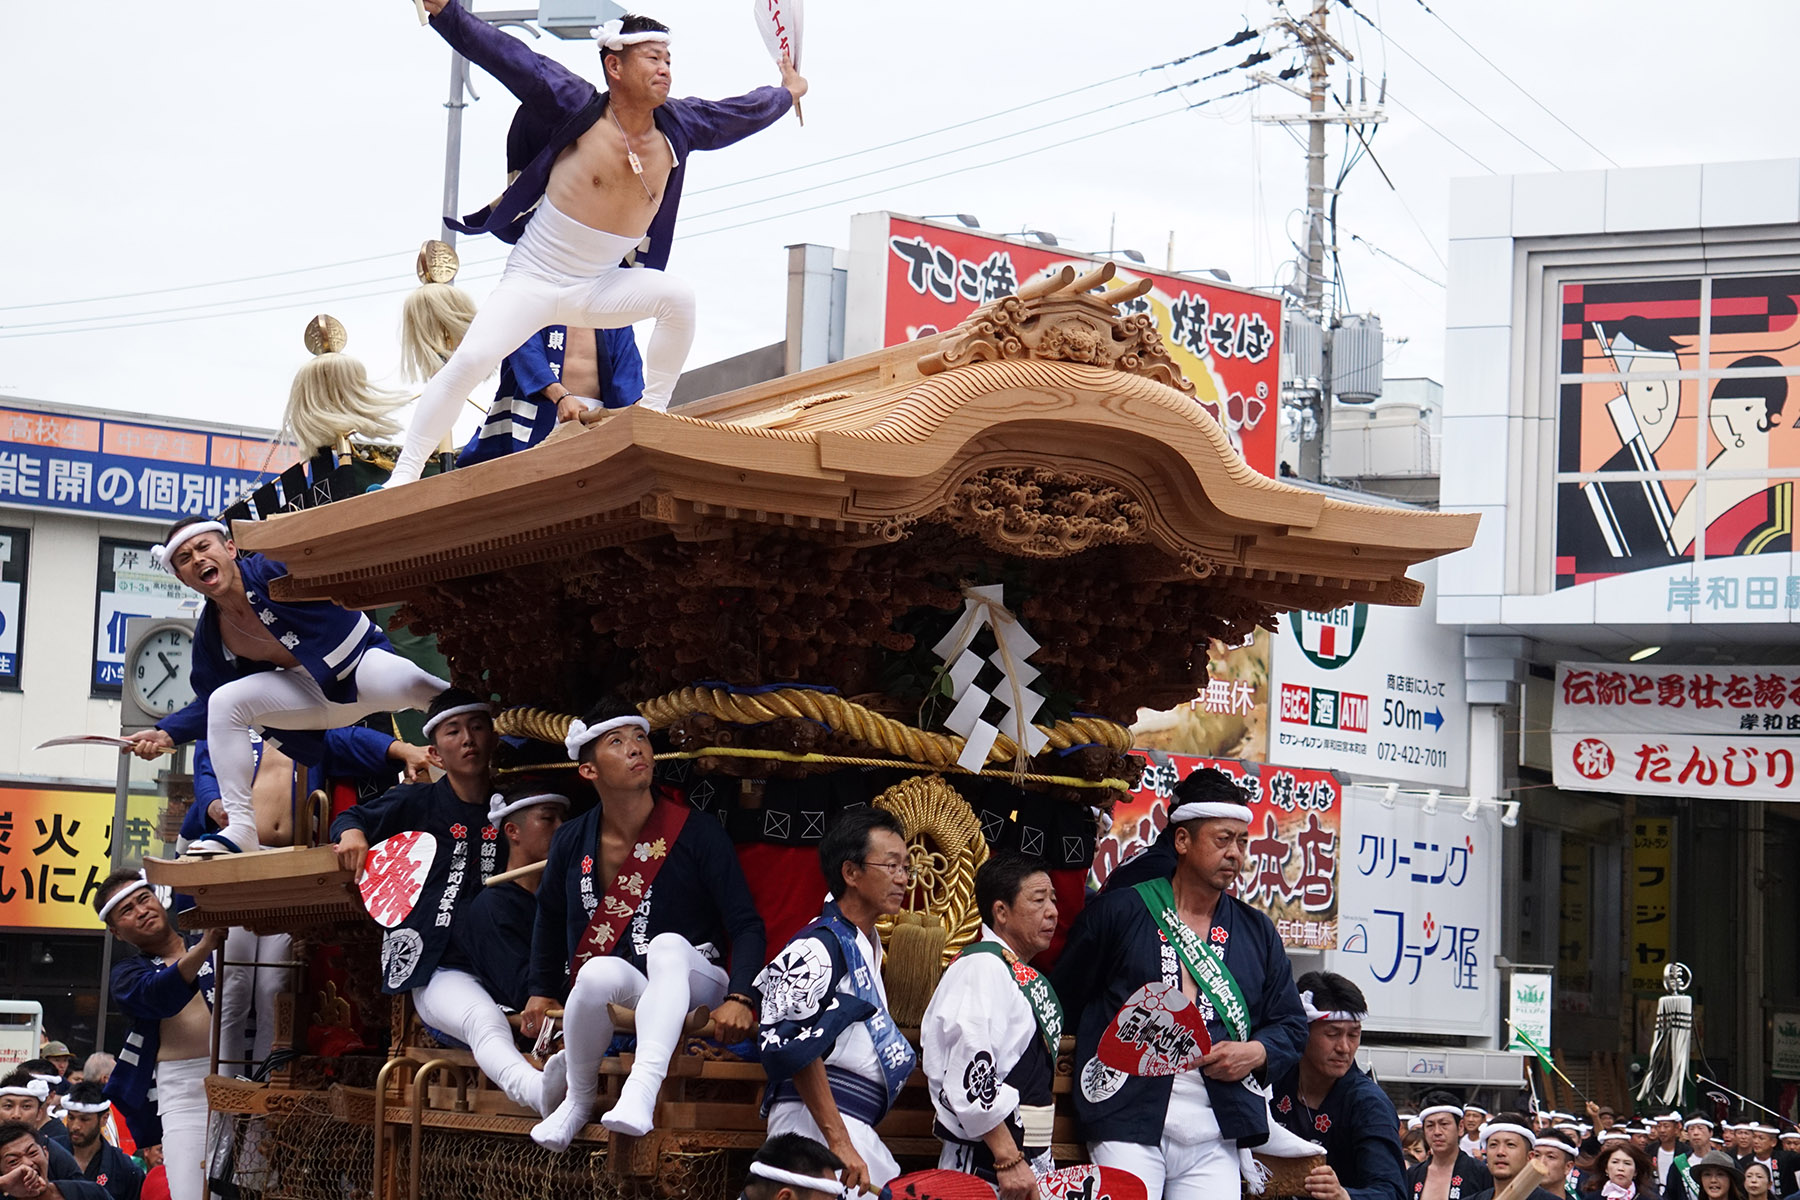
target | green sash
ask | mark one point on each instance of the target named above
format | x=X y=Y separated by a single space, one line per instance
x=1036 y=987
x=1206 y=965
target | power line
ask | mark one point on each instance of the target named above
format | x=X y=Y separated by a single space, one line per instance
x=1373 y=248
x=1448 y=140
x=1483 y=113
x=351 y=262
x=1521 y=87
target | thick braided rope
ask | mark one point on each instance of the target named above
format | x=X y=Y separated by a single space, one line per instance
x=845 y=716
x=929 y=808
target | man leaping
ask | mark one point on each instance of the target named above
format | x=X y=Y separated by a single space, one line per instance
x=608 y=174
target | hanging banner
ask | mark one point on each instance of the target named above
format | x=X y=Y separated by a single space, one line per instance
x=1650 y=931
x=1681 y=731
x=1784 y=1048
x=1528 y=1010
x=1224 y=339
x=15 y=558
x=56 y=847
x=1291 y=871
x=1419 y=915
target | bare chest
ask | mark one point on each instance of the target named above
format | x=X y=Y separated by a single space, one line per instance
x=247 y=637
x=635 y=168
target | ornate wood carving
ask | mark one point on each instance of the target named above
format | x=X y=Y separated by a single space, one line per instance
x=1063 y=319
x=1040 y=513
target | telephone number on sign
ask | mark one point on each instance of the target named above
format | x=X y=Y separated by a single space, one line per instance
x=1417 y=756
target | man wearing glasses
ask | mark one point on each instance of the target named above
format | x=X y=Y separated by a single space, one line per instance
x=834 y=1057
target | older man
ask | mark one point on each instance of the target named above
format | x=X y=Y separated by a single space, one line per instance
x=1326 y=1098
x=834 y=1057
x=1450 y=1172
x=167 y=990
x=1182 y=1134
x=989 y=1036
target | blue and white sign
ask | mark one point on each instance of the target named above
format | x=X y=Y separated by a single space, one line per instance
x=15 y=556
x=65 y=462
x=1418 y=905
x=1372 y=691
x=131 y=585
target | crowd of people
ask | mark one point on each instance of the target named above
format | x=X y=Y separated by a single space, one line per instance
x=1459 y=1149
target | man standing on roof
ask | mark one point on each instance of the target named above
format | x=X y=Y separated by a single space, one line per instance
x=259 y=663
x=607 y=177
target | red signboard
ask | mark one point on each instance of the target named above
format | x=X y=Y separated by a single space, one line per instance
x=1225 y=340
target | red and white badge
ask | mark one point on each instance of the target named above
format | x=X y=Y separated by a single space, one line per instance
x=1158 y=1032
x=1088 y=1182
x=394 y=875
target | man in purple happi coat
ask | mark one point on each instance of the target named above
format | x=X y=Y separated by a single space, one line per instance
x=601 y=192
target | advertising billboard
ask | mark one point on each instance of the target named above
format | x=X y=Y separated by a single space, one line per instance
x=56 y=847
x=1226 y=340
x=1678 y=441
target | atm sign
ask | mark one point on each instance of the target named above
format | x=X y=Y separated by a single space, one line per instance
x=1324 y=708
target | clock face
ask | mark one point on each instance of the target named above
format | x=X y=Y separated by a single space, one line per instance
x=158 y=673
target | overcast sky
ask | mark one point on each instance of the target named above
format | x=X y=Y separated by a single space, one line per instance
x=164 y=148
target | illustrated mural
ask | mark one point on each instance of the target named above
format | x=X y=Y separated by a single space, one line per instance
x=1677 y=439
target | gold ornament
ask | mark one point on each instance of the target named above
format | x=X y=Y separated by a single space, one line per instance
x=325 y=335
x=437 y=262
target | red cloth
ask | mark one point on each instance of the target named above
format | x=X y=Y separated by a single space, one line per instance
x=787 y=886
x=1070 y=884
x=155 y=1185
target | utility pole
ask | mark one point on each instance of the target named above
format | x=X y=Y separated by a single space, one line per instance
x=459 y=89
x=1313 y=37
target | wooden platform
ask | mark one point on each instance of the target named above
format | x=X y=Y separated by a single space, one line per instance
x=266 y=891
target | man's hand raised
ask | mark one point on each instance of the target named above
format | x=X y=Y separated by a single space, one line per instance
x=434 y=7
x=791 y=79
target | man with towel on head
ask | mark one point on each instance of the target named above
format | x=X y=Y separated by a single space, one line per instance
x=1186 y=1136
x=495 y=930
x=1510 y=1144
x=1326 y=1098
x=420 y=954
x=1449 y=1172
x=289 y=668
x=605 y=180
x=642 y=904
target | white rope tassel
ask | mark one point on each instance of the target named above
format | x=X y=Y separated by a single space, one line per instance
x=1669 y=1069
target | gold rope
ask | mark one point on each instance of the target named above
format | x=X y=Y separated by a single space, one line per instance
x=937 y=750
x=847 y=761
x=944 y=846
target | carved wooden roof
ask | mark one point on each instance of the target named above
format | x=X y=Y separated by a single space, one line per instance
x=1045 y=436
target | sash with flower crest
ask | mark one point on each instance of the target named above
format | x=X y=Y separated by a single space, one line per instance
x=609 y=916
x=1046 y=1009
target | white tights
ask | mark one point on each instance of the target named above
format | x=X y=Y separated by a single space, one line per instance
x=456 y=1003
x=251 y=989
x=292 y=699
x=561 y=273
x=679 y=979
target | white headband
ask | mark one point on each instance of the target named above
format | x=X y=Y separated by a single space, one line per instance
x=77 y=1106
x=1452 y=1109
x=113 y=901
x=1615 y=1135
x=1210 y=811
x=1469 y=1108
x=1567 y=1127
x=812 y=1183
x=499 y=809
x=1315 y=1014
x=1412 y=1122
x=1553 y=1143
x=1488 y=1131
x=37 y=1090
x=611 y=36
x=580 y=735
x=161 y=553
x=1669 y=1116
x=459 y=710
x=1698 y=1121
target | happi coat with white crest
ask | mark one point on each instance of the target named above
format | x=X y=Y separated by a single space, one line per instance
x=469 y=851
x=1116 y=948
x=567 y=106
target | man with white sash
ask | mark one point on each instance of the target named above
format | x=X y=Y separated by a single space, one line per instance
x=990 y=1033
x=1183 y=1134
x=834 y=1057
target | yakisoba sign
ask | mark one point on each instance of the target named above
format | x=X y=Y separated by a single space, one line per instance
x=1678 y=731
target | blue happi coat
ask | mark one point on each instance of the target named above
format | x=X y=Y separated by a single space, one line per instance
x=148 y=991
x=520 y=416
x=567 y=106
x=328 y=641
x=469 y=850
x=1357 y=1124
x=1114 y=949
